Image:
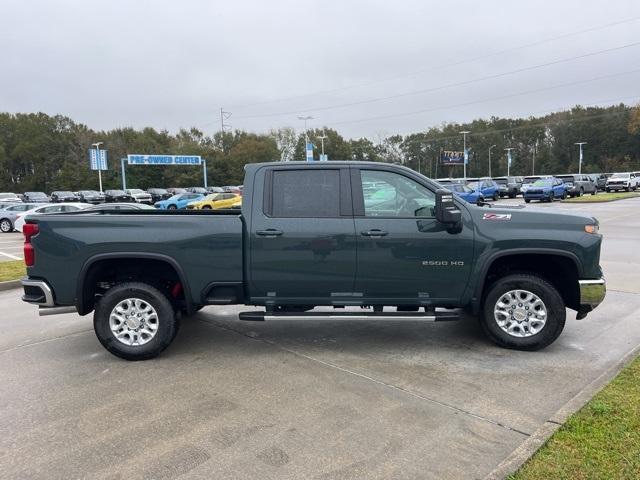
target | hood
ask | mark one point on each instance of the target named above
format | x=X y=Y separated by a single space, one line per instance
x=532 y=217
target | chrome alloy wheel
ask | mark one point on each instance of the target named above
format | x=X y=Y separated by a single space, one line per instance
x=133 y=322
x=520 y=313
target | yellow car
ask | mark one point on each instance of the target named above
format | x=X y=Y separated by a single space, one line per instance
x=216 y=201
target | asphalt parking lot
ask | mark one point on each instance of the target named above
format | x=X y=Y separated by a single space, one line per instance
x=11 y=246
x=314 y=399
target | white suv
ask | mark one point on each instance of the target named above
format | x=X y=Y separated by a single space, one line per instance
x=622 y=181
x=140 y=196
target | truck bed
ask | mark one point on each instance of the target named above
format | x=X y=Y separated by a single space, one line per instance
x=206 y=245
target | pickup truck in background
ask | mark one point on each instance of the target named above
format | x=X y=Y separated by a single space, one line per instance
x=370 y=240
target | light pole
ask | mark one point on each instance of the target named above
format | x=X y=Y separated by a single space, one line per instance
x=492 y=146
x=322 y=137
x=97 y=145
x=580 y=161
x=464 y=153
x=306 y=137
x=508 y=150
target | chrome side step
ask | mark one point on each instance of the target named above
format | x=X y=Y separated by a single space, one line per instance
x=44 y=311
x=259 y=316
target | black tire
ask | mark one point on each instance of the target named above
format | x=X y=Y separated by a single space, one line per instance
x=168 y=322
x=564 y=195
x=595 y=192
x=628 y=189
x=556 y=313
x=206 y=207
x=527 y=200
x=608 y=190
x=551 y=197
x=172 y=207
x=580 y=192
x=6 y=226
x=496 y=196
x=512 y=194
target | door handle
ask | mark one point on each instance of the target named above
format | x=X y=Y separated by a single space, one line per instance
x=374 y=233
x=269 y=232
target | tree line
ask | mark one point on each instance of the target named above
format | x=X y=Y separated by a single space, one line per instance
x=45 y=153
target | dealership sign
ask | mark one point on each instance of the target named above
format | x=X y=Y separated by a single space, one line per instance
x=450 y=157
x=135 y=159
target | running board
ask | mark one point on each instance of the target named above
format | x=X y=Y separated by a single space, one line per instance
x=259 y=316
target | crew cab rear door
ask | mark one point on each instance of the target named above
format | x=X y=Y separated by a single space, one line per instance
x=302 y=236
x=405 y=256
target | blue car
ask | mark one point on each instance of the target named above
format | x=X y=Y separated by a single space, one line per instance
x=545 y=189
x=465 y=193
x=179 y=201
x=487 y=187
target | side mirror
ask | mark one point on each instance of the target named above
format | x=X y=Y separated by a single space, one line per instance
x=446 y=210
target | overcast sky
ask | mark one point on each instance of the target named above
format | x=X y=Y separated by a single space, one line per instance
x=173 y=64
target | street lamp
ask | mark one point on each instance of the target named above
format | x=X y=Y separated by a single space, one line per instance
x=97 y=145
x=464 y=153
x=306 y=137
x=492 y=146
x=322 y=138
x=508 y=150
x=580 y=161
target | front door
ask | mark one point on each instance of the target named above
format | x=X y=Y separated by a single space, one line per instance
x=302 y=237
x=405 y=256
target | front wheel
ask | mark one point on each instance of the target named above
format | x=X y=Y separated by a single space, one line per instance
x=527 y=200
x=206 y=207
x=523 y=312
x=135 y=321
x=172 y=207
x=5 y=225
x=551 y=197
x=496 y=196
x=564 y=195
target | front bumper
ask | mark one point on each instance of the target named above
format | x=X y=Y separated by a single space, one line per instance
x=592 y=292
x=617 y=186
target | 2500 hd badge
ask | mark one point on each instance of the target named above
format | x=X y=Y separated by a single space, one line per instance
x=443 y=263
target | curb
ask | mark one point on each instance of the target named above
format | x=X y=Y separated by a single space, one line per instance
x=526 y=449
x=604 y=201
x=10 y=285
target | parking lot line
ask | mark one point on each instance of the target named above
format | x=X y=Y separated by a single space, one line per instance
x=10 y=256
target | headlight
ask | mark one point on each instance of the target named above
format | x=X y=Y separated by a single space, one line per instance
x=591 y=228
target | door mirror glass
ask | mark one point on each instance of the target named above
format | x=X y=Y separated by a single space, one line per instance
x=446 y=210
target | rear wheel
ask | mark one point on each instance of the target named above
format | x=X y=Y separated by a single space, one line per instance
x=496 y=196
x=172 y=207
x=5 y=225
x=135 y=321
x=551 y=197
x=527 y=200
x=523 y=312
x=595 y=191
x=206 y=207
x=564 y=195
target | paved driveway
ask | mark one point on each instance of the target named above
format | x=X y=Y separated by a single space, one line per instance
x=11 y=246
x=316 y=399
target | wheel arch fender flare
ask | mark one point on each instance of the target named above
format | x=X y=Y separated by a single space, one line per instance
x=82 y=304
x=483 y=269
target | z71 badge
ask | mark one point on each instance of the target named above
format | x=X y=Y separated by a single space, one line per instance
x=496 y=216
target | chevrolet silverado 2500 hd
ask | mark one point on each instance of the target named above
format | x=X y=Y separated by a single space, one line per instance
x=378 y=238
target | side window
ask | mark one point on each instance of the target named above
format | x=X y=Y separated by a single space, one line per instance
x=306 y=193
x=388 y=194
x=52 y=209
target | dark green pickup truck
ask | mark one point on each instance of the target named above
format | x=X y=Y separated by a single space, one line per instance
x=367 y=239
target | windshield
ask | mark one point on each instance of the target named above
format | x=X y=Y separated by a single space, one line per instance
x=546 y=182
x=136 y=191
x=213 y=197
x=7 y=195
x=530 y=179
x=473 y=185
x=36 y=194
x=567 y=179
x=64 y=194
x=116 y=192
x=89 y=192
x=620 y=175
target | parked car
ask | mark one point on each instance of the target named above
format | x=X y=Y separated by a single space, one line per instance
x=36 y=197
x=91 y=196
x=448 y=181
x=215 y=189
x=466 y=193
x=622 y=181
x=117 y=196
x=47 y=208
x=178 y=201
x=486 y=186
x=118 y=206
x=215 y=201
x=298 y=245
x=8 y=197
x=578 y=184
x=175 y=191
x=509 y=186
x=200 y=190
x=10 y=213
x=600 y=179
x=232 y=189
x=546 y=189
x=158 y=194
x=140 y=196
x=63 y=196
